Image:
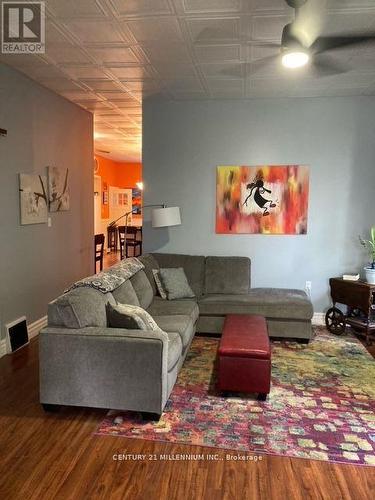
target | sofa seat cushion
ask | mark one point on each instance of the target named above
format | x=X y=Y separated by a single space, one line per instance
x=183 y=325
x=174 y=349
x=268 y=302
x=160 y=307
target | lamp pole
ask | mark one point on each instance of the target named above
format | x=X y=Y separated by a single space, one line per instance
x=113 y=223
x=126 y=215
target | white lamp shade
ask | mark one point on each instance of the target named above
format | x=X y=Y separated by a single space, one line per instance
x=168 y=216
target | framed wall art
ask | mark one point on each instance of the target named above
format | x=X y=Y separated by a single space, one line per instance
x=58 y=189
x=33 y=199
x=265 y=199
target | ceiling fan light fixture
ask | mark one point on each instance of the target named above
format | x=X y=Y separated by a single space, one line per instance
x=295 y=59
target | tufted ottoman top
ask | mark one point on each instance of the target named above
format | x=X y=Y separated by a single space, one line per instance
x=245 y=336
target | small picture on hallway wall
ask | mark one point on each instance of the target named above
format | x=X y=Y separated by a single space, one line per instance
x=137 y=201
x=33 y=199
x=266 y=199
x=58 y=189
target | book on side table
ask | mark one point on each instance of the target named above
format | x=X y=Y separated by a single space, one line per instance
x=350 y=277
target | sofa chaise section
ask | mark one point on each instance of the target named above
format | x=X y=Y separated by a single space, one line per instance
x=288 y=312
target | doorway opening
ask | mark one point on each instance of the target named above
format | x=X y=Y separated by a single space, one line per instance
x=118 y=191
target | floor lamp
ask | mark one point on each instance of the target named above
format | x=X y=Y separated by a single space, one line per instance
x=161 y=216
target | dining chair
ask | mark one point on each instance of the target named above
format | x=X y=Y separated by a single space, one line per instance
x=99 y=250
x=133 y=240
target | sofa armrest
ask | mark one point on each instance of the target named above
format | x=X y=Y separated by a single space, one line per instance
x=99 y=367
x=98 y=331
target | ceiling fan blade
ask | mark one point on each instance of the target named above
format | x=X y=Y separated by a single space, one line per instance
x=325 y=43
x=323 y=65
x=309 y=21
x=242 y=69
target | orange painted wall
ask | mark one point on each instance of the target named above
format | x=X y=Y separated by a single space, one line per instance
x=117 y=174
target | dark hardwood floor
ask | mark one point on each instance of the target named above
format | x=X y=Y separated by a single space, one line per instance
x=57 y=456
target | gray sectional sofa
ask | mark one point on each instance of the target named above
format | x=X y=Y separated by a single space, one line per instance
x=83 y=362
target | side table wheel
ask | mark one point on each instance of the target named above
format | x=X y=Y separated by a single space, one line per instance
x=335 y=321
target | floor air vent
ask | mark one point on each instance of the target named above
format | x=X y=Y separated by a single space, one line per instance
x=17 y=334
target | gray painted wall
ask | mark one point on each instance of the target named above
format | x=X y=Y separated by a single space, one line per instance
x=183 y=142
x=37 y=262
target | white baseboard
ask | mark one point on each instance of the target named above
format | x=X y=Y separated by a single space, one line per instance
x=34 y=328
x=318 y=319
x=3 y=347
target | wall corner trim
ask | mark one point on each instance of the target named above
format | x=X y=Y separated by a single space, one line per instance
x=3 y=347
x=318 y=319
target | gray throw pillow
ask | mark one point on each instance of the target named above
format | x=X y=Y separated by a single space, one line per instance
x=159 y=284
x=175 y=283
x=130 y=317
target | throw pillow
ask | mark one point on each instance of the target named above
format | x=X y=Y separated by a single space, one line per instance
x=175 y=283
x=130 y=317
x=159 y=284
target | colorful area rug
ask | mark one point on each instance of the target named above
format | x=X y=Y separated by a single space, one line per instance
x=321 y=404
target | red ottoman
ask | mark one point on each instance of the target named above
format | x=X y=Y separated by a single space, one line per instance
x=245 y=355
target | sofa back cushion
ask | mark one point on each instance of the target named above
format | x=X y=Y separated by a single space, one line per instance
x=150 y=264
x=143 y=289
x=193 y=265
x=227 y=275
x=125 y=294
x=79 y=308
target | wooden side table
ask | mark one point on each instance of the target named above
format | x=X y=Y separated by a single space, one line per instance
x=359 y=297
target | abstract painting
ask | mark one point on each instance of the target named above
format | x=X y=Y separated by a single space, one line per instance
x=137 y=201
x=33 y=199
x=265 y=199
x=58 y=189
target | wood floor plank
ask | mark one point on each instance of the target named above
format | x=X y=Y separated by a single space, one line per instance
x=57 y=456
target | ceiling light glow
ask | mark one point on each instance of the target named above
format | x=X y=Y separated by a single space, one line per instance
x=98 y=135
x=295 y=59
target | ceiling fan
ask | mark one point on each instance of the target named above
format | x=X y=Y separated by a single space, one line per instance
x=301 y=44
